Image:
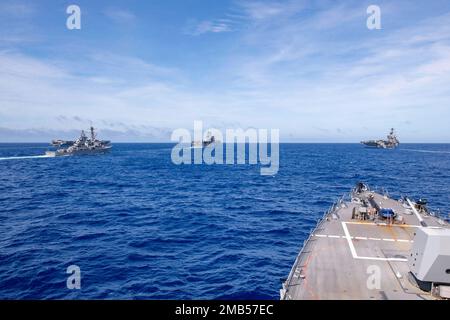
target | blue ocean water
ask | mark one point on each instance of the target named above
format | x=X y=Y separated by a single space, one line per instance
x=140 y=227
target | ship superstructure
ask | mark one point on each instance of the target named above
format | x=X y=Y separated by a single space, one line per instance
x=62 y=143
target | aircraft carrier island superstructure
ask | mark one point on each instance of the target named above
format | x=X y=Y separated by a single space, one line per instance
x=373 y=247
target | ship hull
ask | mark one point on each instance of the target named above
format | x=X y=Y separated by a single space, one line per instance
x=371 y=144
x=195 y=145
x=59 y=153
x=378 y=145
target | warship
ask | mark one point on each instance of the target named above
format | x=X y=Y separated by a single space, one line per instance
x=201 y=144
x=369 y=246
x=82 y=146
x=391 y=142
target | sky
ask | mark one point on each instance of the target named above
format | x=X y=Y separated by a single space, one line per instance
x=137 y=70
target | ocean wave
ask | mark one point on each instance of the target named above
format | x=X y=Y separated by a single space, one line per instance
x=140 y=227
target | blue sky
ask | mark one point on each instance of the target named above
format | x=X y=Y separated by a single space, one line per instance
x=139 y=69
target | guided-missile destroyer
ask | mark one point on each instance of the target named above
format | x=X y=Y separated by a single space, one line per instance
x=370 y=246
x=82 y=146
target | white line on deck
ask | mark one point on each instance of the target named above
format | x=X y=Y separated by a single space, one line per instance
x=381 y=259
x=353 y=250
x=359 y=238
x=384 y=224
x=349 y=240
x=403 y=240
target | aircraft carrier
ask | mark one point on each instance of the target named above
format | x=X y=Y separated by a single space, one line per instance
x=372 y=247
x=391 y=142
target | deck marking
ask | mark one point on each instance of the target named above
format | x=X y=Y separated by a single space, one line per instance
x=384 y=224
x=350 y=243
x=381 y=259
x=353 y=250
x=360 y=238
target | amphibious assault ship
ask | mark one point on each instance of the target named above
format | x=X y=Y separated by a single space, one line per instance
x=391 y=142
x=82 y=146
x=370 y=246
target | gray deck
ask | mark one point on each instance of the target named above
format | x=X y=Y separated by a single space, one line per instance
x=342 y=254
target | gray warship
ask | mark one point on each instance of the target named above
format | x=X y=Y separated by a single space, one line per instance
x=82 y=146
x=368 y=246
x=391 y=142
x=210 y=139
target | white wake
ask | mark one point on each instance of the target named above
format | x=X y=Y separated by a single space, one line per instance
x=427 y=151
x=25 y=157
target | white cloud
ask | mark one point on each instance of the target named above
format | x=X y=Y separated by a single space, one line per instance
x=212 y=26
x=261 y=10
x=244 y=12
x=208 y=26
x=19 y=65
x=309 y=76
x=17 y=9
x=128 y=66
x=121 y=16
x=35 y=94
x=16 y=23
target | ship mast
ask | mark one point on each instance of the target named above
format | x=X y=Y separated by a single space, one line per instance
x=92 y=134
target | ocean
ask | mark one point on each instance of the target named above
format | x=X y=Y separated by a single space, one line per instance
x=140 y=227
